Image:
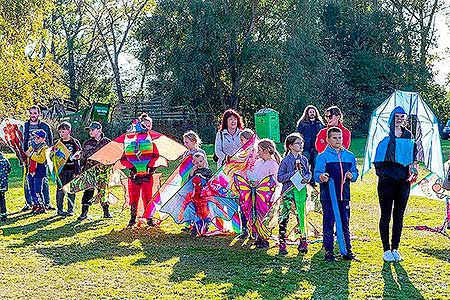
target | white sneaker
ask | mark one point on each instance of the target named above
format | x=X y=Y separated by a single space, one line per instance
x=388 y=256
x=397 y=255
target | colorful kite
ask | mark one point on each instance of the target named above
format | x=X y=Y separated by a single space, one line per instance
x=57 y=157
x=11 y=132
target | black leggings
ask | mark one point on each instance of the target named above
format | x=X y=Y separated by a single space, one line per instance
x=392 y=194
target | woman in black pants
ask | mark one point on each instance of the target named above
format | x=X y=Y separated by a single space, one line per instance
x=395 y=164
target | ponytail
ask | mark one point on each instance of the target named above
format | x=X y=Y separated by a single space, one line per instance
x=269 y=145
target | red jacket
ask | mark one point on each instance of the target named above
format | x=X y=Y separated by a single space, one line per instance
x=321 y=139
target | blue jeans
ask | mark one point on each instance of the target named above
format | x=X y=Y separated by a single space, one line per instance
x=328 y=224
x=45 y=192
x=36 y=189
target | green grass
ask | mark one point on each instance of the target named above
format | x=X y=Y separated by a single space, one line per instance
x=49 y=257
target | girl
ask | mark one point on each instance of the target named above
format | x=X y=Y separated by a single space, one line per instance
x=192 y=142
x=293 y=162
x=265 y=165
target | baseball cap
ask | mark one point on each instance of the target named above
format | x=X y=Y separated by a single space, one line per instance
x=94 y=125
x=40 y=133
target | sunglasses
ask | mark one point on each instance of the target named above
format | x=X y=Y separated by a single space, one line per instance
x=329 y=117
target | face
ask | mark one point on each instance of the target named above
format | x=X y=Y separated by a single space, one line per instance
x=64 y=133
x=335 y=140
x=94 y=132
x=148 y=124
x=199 y=162
x=188 y=143
x=242 y=140
x=332 y=120
x=297 y=146
x=399 y=119
x=34 y=115
x=232 y=122
x=38 y=140
x=263 y=153
x=312 y=114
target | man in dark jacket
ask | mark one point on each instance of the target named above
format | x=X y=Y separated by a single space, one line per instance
x=33 y=124
x=90 y=146
x=308 y=126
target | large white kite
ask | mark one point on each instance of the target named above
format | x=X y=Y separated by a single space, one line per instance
x=422 y=123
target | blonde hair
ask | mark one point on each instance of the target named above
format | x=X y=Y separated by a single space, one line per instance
x=247 y=133
x=199 y=155
x=192 y=136
x=269 y=145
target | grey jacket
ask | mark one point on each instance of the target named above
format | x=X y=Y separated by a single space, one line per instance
x=226 y=144
x=287 y=170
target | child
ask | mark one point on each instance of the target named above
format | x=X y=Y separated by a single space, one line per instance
x=265 y=165
x=192 y=142
x=339 y=164
x=70 y=169
x=293 y=162
x=37 y=169
x=5 y=168
x=199 y=172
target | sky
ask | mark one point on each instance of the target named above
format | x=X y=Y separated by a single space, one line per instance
x=442 y=67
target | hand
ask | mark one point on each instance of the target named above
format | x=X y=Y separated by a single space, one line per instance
x=76 y=155
x=27 y=153
x=53 y=149
x=349 y=175
x=324 y=177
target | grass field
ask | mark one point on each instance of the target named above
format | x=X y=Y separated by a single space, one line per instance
x=50 y=257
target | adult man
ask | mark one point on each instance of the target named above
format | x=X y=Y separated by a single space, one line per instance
x=309 y=125
x=34 y=123
x=90 y=146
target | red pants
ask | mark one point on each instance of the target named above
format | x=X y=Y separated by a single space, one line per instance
x=142 y=191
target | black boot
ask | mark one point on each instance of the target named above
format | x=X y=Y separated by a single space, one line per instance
x=84 y=212
x=106 y=213
x=133 y=211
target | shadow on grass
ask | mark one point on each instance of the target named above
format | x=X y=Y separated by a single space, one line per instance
x=28 y=227
x=442 y=254
x=273 y=277
x=397 y=284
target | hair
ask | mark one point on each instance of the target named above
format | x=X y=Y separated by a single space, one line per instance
x=36 y=107
x=304 y=116
x=145 y=116
x=198 y=155
x=333 y=130
x=290 y=140
x=231 y=113
x=269 y=145
x=65 y=126
x=247 y=133
x=191 y=135
x=334 y=110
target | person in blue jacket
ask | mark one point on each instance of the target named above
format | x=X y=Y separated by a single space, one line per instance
x=5 y=169
x=339 y=164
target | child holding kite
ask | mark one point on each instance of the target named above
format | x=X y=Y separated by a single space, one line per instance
x=335 y=169
x=37 y=169
x=5 y=169
x=255 y=193
x=69 y=170
x=292 y=163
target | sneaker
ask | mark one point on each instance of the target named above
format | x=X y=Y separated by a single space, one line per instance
x=303 y=246
x=82 y=217
x=350 y=256
x=282 y=249
x=40 y=210
x=131 y=224
x=69 y=213
x=107 y=216
x=150 y=222
x=262 y=244
x=329 y=256
x=396 y=255
x=26 y=208
x=61 y=213
x=34 y=208
x=388 y=256
x=49 y=207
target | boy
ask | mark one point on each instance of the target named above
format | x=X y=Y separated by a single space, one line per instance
x=5 y=168
x=339 y=164
x=70 y=169
x=37 y=170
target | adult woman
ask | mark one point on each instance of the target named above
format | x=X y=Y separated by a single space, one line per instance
x=395 y=167
x=334 y=117
x=309 y=125
x=227 y=138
